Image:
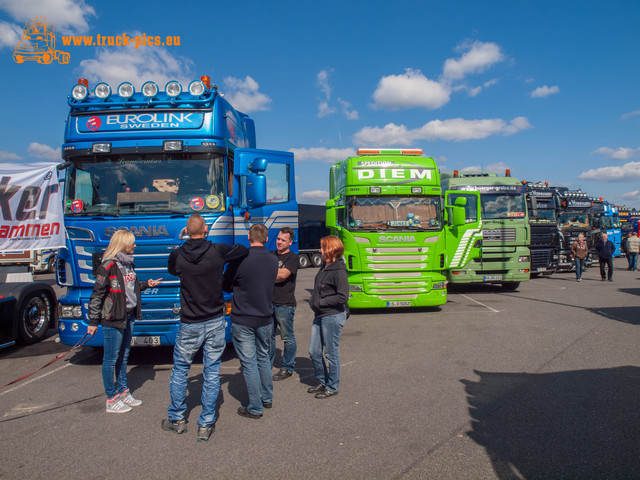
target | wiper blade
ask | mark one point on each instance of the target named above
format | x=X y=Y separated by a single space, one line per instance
x=92 y=214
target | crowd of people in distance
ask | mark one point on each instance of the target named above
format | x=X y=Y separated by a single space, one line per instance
x=605 y=251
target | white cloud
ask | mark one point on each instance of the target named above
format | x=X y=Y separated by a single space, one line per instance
x=4 y=155
x=630 y=114
x=620 y=153
x=315 y=194
x=328 y=155
x=456 y=129
x=635 y=195
x=323 y=81
x=627 y=172
x=9 y=34
x=477 y=57
x=544 y=91
x=244 y=94
x=498 y=167
x=124 y=64
x=69 y=16
x=39 y=150
x=409 y=90
x=347 y=110
x=324 y=109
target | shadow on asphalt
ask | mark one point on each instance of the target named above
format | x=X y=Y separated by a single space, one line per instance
x=579 y=424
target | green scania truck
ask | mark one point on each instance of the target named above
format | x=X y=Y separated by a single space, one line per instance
x=387 y=208
x=501 y=255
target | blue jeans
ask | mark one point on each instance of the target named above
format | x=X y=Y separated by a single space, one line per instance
x=325 y=333
x=579 y=267
x=283 y=317
x=191 y=336
x=117 y=343
x=633 y=261
x=252 y=347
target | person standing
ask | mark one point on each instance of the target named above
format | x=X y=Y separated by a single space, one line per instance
x=605 y=249
x=633 y=248
x=329 y=303
x=624 y=246
x=199 y=263
x=251 y=282
x=115 y=304
x=284 y=303
x=580 y=250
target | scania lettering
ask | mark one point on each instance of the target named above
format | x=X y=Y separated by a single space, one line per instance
x=144 y=162
x=501 y=253
x=386 y=207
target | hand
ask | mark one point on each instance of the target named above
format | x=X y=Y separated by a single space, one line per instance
x=92 y=330
x=152 y=283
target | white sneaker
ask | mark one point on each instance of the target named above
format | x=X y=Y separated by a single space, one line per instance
x=127 y=399
x=115 y=405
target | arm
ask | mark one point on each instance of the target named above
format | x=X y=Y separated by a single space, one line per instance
x=100 y=289
x=283 y=274
x=289 y=268
x=229 y=276
x=341 y=294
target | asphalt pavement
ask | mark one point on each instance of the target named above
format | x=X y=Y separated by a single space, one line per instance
x=540 y=383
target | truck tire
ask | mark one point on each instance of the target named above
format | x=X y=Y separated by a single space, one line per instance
x=303 y=261
x=34 y=317
x=510 y=285
x=51 y=264
x=316 y=259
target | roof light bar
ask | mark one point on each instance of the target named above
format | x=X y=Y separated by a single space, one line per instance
x=102 y=90
x=149 y=89
x=79 y=92
x=196 y=88
x=173 y=89
x=126 y=90
x=391 y=151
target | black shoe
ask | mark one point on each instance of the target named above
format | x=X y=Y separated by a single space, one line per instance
x=205 y=432
x=282 y=374
x=603 y=279
x=243 y=412
x=318 y=388
x=267 y=404
x=326 y=394
x=177 y=426
x=611 y=279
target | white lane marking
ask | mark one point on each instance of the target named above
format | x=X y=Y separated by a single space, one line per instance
x=479 y=303
x=20 y=385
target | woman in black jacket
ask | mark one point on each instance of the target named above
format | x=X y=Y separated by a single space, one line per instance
x=329 y=303
x=115 y=303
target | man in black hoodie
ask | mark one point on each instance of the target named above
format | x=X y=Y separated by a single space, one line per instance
x=251 y=315
x=199 y=264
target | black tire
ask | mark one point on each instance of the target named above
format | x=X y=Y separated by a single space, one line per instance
x=510 y=285
x=51 y=264
x=34 y=317
x=316 y=259
x=303 y=261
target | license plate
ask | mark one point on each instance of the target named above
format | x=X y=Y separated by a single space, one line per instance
x=403 y=303
x=492 y=278
x=145 y=341
x=542 y=269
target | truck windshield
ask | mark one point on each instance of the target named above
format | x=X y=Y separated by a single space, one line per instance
x=393 y=213
x=131 y=184
x=567 y=220
x=495 y=205
x=609 y=222
x=545 y=214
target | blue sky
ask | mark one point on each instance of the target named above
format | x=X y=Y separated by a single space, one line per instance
x=547 y=89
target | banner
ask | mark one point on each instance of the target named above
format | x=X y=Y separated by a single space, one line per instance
x=30 y=207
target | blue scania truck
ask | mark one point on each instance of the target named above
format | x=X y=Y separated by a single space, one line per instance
x=145 y=161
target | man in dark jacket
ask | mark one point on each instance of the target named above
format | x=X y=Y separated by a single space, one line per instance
x=605 y=249
x=251 y=315
x=199 y=264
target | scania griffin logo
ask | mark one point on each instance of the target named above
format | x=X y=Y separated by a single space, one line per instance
x=397 y=239
x=150 y=231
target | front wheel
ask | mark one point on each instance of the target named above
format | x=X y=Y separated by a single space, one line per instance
x=303 y=261
x=34 y=317
x=316 y=259
x=510 y=285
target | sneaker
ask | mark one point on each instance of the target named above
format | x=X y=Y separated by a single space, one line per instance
x=243 y=412
x=177 y=426
x=282 y=374
x=115 y=405
x=126 y=398
x=205 y=432
x=326 y=394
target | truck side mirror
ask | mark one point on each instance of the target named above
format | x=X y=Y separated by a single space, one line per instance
x=330 y=216
x=256 y=190
x=458 y=213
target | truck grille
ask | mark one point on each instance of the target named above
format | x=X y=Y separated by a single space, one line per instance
x=499 y=235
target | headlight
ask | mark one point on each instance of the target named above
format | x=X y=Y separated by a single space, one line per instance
x=355 y=288
x=77 y=311
x=173 y=89
x=70 y=311
x=126 y=90
x=523 y=259
x=196 y=88
x=149 y=89
x=439 y=285
x=102 y=91
x=79 y=92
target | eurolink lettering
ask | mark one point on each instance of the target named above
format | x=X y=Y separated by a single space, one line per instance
x=148 y=118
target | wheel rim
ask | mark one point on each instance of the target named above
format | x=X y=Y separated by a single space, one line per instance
x=35 y=315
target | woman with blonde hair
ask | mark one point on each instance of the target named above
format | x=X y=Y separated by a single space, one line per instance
x=115 y=304
x=329 y=303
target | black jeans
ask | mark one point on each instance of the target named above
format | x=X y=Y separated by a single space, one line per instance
x=609 y=263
